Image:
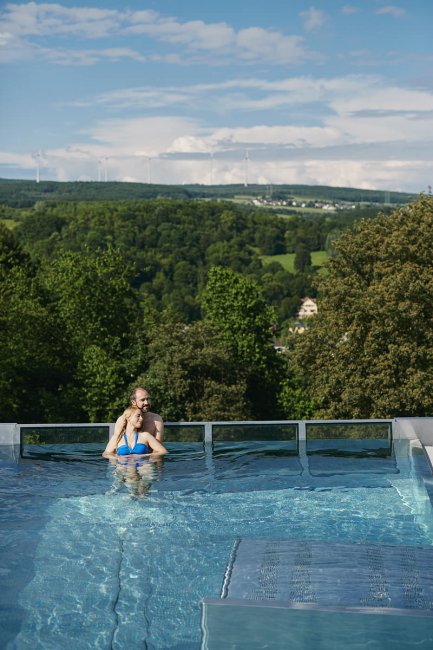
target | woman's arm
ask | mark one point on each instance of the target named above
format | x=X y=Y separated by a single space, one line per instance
x=118 y=426
x=153 y=443
x=111 y=448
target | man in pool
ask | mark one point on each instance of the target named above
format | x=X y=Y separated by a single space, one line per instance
x=152 y=422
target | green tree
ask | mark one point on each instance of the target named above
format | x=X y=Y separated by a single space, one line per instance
x=11 y=253
x=34 y=361
x=302 y=258
x=271 y=241
x=101 y=376
x=92 y=297
x=293 y=400
x=192 y=374
x=369 y=352
x=236 y=306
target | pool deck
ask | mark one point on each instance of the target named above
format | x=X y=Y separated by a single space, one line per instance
x=429 y=452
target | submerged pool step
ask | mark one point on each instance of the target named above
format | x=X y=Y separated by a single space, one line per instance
x=346 y=575
x=304 y=595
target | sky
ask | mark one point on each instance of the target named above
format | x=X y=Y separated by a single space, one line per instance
x=219 y=91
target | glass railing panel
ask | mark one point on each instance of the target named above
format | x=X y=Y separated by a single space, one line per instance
x=175 y=432
x=273 y=438
x=259 y=431
x=186 y=449
x=63 y=440
x=255 y=455
x=350 y=439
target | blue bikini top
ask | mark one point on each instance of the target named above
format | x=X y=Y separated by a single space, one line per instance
x=138 y=448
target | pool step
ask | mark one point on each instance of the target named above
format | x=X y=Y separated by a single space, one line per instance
x=347 y=575
x=315 y=595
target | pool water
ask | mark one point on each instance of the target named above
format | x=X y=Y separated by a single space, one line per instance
x=116 y=556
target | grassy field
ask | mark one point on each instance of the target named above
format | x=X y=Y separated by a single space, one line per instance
x=287 y=260
x=9 y=223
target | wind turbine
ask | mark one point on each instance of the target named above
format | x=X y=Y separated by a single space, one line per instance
x=211 y=168
x=105 y=169
x=146 y=158
x=36 y=155
x=247 y=160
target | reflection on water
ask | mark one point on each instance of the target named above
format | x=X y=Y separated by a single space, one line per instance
x=136 y=473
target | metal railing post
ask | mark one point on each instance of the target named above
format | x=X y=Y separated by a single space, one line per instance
x=208 y=426
x=302 y=446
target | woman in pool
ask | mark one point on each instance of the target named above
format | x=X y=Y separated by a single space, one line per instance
x=131 y=440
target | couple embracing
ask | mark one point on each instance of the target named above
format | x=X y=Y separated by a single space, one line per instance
x=137 y=431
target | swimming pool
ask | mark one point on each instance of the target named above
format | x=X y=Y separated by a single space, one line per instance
x=121 y=556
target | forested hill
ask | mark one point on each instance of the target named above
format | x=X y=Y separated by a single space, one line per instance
x=173 y=243
x=187 y=296
x=24 y=193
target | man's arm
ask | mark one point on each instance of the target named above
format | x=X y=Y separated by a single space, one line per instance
x=159 y=427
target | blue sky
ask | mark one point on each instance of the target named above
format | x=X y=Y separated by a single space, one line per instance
x=228 y=91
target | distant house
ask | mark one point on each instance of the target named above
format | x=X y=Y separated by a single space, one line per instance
x=308 y=308
x=298 y=328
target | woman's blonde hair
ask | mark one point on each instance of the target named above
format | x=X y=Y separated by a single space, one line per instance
x=126 y=415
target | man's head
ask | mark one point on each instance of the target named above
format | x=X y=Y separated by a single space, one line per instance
x=140 y=398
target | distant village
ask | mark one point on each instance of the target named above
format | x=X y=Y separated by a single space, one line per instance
x=288 y=203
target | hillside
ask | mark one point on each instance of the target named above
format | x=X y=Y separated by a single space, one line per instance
x=24 y=193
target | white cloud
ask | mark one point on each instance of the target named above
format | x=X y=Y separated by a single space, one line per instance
x=14 y=49
x=16 y=159
x=151 y=135
x=218 y=41
x=385 y=98
x=265 y=45
x=196 y=34
x=228 y=139
x=380 y=172
x=313 y=19
x=33 y=19
x=344 y=112
x=401 y=175
x=87 y=57
x=391 y=10
x=148 y=98
x=248 y=44
x=384 y=114
x=359 y=140
x=250 y=94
